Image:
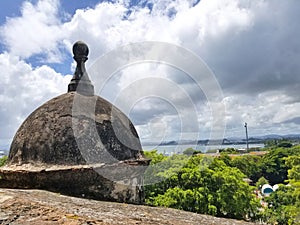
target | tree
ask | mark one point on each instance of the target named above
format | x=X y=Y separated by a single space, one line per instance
x=225 y=158
x=294 y=177
x=261 y=181
x=3 y=160
x=215 y=186
x=191 y=151
x=284 y=203
x=273 y=164
x=271 y=143
x=249 y=165
x=207 y=185
x=229 y=150
x=293 y=162
x=162 y=173
x=285 y=144
x=154 y=156
x=282 y=208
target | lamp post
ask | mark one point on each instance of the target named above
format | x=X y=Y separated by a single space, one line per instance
x=246 y=127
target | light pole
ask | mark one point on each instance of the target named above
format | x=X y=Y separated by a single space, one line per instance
x=247 y=136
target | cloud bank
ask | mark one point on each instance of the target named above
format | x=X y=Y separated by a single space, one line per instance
x=251 y=46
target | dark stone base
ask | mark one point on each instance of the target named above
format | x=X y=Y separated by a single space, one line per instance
x=83 y=87
x=121 y=182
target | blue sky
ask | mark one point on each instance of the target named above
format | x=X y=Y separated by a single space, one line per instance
x=67 y=9
x=9 y=8
x=13 y=9
x=251 y=47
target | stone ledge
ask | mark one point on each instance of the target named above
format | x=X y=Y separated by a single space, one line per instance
x=37 y=207
x=121 y=182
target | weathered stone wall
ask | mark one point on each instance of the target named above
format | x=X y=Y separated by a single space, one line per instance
x=77 y=145
x=119 y=182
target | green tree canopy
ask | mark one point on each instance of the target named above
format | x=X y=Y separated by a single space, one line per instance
x=261 y=181
x=206 y=185
x=249 y=165
x=284 y=203
x=273 y=164
x=3 y=160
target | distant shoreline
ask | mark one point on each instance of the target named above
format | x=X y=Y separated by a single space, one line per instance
x=178 y=149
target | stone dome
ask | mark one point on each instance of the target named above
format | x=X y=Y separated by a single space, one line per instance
x=74 y=129
x=78 y=144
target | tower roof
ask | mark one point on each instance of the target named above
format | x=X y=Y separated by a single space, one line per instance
x=76 y=128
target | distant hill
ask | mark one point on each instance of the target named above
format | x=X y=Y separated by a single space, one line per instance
x=230 y=140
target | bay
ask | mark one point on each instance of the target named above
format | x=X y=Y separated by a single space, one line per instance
x=178 y=149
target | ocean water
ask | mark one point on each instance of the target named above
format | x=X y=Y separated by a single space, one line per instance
x=178 y=149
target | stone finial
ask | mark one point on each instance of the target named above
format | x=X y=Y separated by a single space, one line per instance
x=80 y=51
x=80 y=81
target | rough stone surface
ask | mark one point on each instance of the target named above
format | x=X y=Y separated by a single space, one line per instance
x=66 y=131
x=80 y=81
x=37 y=207
x=77 y=145
x=114 y=182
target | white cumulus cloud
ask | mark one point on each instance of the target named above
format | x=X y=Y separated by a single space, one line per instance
x=251 y=46
x=23 y=89
x=37 y=31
